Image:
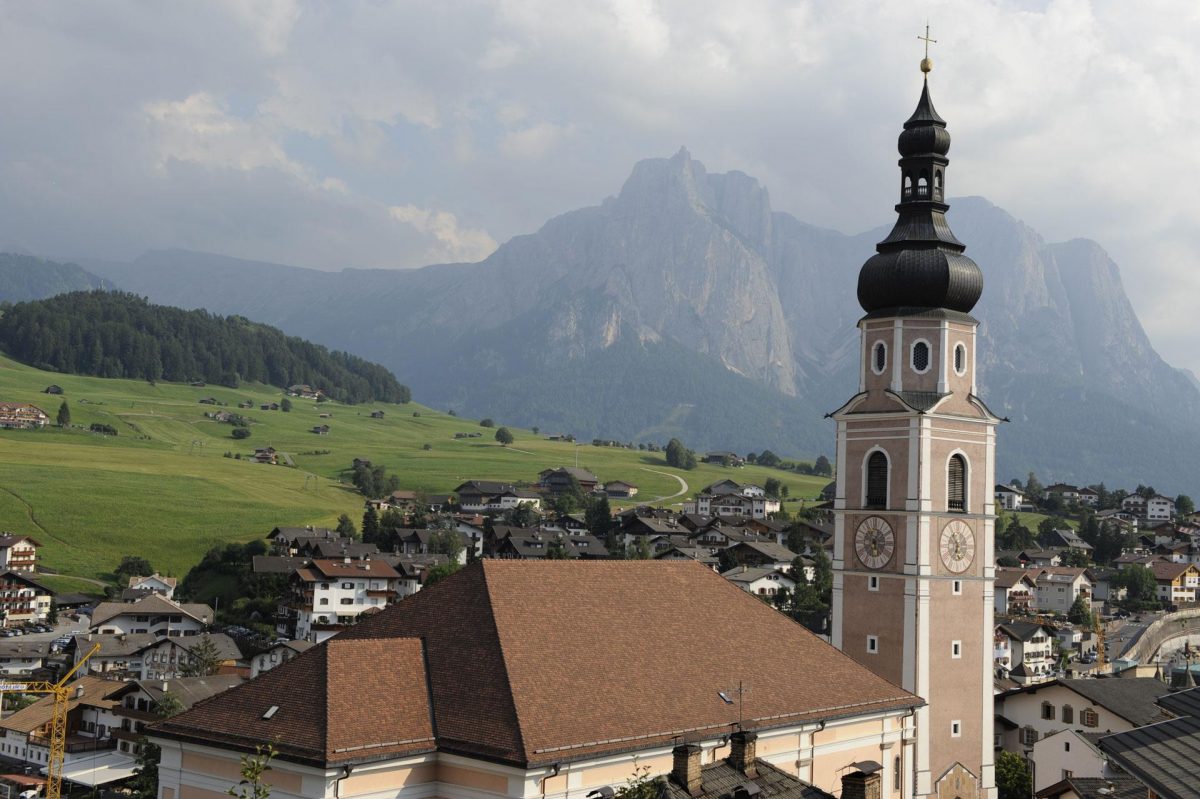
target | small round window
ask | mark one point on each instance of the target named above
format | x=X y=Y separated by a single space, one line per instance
x=879 y=358
x=960 y=359
x=920 y=356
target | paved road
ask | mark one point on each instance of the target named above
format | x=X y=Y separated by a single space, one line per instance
x=1125 y=634
x=683 y=486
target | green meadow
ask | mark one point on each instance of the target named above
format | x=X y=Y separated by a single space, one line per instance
x=163 y=487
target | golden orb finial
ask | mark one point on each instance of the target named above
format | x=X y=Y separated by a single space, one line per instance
x=927 y=62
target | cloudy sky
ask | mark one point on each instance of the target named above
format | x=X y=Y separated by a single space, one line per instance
x=394 y=134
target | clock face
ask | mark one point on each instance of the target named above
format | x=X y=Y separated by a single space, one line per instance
x=874 y=542
x=957 y=546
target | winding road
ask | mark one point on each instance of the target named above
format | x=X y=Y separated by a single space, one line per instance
x=683 y=486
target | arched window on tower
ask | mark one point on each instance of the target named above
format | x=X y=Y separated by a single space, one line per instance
x=877 y=480
x=907 y=187
x=923 y=185
x=937 y=184
x=957 y=484
x=880 y=357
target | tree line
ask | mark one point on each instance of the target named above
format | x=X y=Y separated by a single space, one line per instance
x=116 y=334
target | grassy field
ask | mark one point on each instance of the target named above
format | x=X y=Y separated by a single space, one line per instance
x=163 y=488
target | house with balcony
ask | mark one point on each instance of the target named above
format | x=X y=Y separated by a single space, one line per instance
x=728 y=498
x=18 y=553
x=1177 y=582
x=329 y=594
x=153 y=614
x=759 y=580
x=1153 y=509
x=146 y=656
x=1015 y=592
x=154 y=584
x=1059 y=586
x=490 y=496
x=22 y=416
x=140 y=704
x=23 y=599
x=1024 y=651
x=90 y=758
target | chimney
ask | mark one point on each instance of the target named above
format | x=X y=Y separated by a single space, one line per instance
x=741 y=752
x=859 y=785
x=686 y=768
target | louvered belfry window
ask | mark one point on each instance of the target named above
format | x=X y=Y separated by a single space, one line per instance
x=880 y=357
x=957 y=483
x=877 y=480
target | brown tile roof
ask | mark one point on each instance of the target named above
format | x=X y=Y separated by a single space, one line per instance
x=96 y=693
x=346 y=700
x=1164 y=570
x=511 y=678
x=151 y=604
x=337 y=567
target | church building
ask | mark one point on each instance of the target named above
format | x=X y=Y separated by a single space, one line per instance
x=553 y=679
x=913 y=541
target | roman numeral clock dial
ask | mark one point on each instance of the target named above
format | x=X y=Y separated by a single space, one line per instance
x=874 y=542
x=957 y=546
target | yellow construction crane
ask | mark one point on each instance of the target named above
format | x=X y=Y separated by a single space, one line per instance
x=58 y=722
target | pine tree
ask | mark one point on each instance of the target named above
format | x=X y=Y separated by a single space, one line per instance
x=370 y=526
x=203 y=659
x=345 y=526
x=64 y=414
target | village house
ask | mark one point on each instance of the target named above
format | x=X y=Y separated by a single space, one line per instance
x=22 y=416
x=53 y=388
x=304 y=391
x=619 y=489
x=141 y=700
x=1162 y=757
x=154 y=583
x=151 y=614
x=724 y=458
x=1177 y=582
x=1106 y=705
x=490 y=496
x=764 y=553
x=377 y=414
x=1067 y=493
x=1024 y=651
x=146 y=656
x=1015 y=592
x=21 y=658
x=276 y=655
x=727 y=498
x=18 y=553
x=1155 y=509
x=559 y=480
x=489 y=694
x=1059 y=586
x=1010 y=498
x=265 y=455
x=759 y=580
x=288 y=540
x=1070 y=754
x=23 y=599
x=413 y=571
x=25 y=734
x=328 y=595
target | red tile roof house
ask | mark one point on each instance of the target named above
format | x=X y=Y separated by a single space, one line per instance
x=553 y=679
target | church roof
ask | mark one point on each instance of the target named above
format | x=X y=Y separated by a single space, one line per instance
x=471 y=664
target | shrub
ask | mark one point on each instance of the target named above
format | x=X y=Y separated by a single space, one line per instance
x=241 y=432
x=106 y=429
x=486 y=422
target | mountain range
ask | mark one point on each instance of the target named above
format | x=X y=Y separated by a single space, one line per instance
x=686 y=306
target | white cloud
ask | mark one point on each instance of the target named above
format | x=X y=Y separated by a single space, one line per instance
x=1075 y=116
x=454 y=243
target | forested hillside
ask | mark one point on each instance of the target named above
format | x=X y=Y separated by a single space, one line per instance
x=114 y=334
x=24 y=277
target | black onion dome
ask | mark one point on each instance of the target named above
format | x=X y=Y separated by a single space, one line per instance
x=920 y=266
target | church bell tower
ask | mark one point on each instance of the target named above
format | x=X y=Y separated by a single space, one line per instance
x=913 y=544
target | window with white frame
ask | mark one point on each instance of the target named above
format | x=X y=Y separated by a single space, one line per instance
x=873 y=644
x=879 y=358
x=956 y=729
x=920 y=356
x=873 y=583
x=956 y=649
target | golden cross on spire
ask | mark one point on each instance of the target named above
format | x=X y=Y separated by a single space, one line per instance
x=926 y=63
